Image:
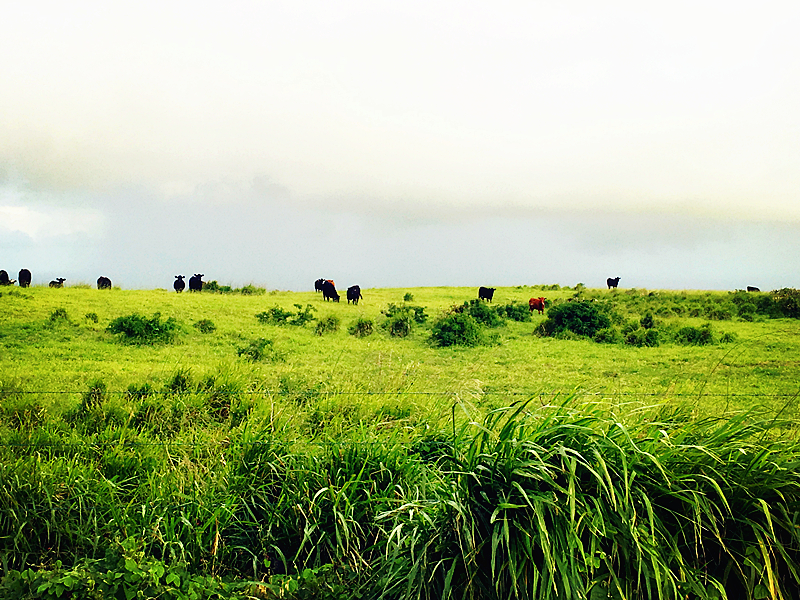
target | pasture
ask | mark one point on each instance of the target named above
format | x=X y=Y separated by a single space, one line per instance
x=278 y=445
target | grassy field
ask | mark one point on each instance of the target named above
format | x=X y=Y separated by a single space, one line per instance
x=250 y=457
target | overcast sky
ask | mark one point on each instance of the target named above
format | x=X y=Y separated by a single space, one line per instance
x=402 y=144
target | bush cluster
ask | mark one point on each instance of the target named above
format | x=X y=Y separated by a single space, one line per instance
x=248 y=290
x=329 y=324
x=279 y=316
x=401 y=318
x=580 y=318
x=362 y=328
x=136 y=329
x=457 y=329
x=257 y=350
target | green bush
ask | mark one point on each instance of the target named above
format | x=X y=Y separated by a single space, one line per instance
x=329 y=324
x=59 y=315
x=648 y=321
x=362 y=328
x=609 y=335
x=482 y=312
x=205 y=326
x=457 y=329
x=581 y=318
x=416 y=313
x=259 y=350
x=695 y=336
x=136 y=329
x=91 y=316
x=787 y=301
x=398 y=325
x=516 y=311
x=279 y=316
x=642 y=337
x=408 y=297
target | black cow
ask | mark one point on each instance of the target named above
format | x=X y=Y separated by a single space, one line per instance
x=179 y=284
x=329 y=291
x=57 y=282
x=750 y=288
x=4 y=280
x=318 y=285
x=612 y=282
x=24 y=278
x=354 y=294
x=196 y=282
x=103 y=283
x=485 y=293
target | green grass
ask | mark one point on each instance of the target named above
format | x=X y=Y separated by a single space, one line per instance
x=259 y=458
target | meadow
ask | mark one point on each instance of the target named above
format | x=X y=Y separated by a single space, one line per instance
x=419 y=445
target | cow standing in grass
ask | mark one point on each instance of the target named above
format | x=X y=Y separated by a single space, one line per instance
x=4 y=280
x=24 y=278
x=354 y=294
x=196 y=282
x=612 y=282
x=179 y=285
x=536 y=304
x=486 y=293
x=103 y=283
x=329 y=291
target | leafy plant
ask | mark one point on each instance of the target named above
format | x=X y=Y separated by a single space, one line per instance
x=457 y=329
x=136 y=329
x=362 y=328
x=581 y=318
x=328 y=325
x=205 y=326
x=259 y=350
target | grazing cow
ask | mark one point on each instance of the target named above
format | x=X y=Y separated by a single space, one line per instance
x=485 y=293
x=24 y=278
x=354 y=294
x=179 y=284
x=329 y=291
x=103 y=283
x=750 y=288
x=196 y=282
x=612 y=282
x=536 y=304
x=318 y=285
x=57 y=282
x=4 y=280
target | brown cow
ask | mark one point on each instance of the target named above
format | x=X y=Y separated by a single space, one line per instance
x=536 y=304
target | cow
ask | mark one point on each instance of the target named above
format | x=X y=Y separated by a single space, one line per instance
x=179 y=285
x=536 y=304
x=196 y=282
x=750 y=288
x=354 y=294
x=612 y=282
x=329 y=291
x=4 y=280
x=103 y=283
x=24 y=278
x=57 y=282
x=485 y=293
x=318 y=285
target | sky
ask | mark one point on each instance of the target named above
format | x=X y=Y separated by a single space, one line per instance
x=402 y=144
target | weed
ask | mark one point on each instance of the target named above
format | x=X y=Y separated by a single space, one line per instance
x=408 y=297
x=136 y=329
x=362 y=328
x=205 y=326
x=59 y=315
x=329 y=324
x=91 y=316
x=258 y=350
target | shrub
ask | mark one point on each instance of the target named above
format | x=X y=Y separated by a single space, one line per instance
x=278 y=316
x=787 y=301
x=695 y=336
x=259 y=350
x=609 y=335
x=361 y=328
x=642 y=337
x=408 y=297
x=59 y=315
x=398 y=325
x=251 y=290
x=328 y=324
x=137 y=329
x=91 y=316
x=482 y=312
x=205 y=326
x=456 y=329
x=581 y=318
x=417 y=313
x=516 y=311
x=648 y=321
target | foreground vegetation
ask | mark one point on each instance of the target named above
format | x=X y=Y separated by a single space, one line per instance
x=276 y=446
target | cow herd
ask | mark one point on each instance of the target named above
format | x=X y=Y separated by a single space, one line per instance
x=328 y=289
